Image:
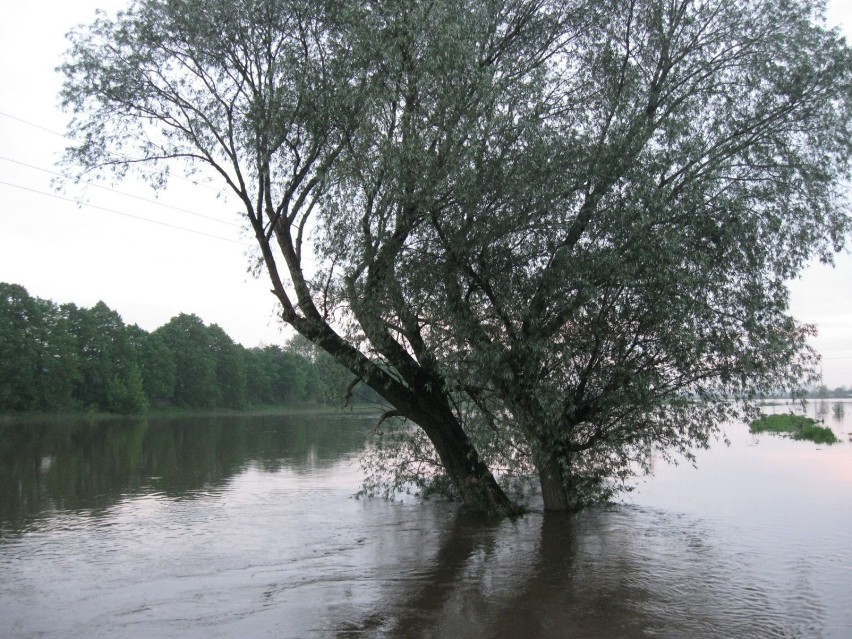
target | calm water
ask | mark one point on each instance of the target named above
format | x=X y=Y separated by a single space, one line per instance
x=246 y=528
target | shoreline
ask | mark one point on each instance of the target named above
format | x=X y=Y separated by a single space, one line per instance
x=364 y=410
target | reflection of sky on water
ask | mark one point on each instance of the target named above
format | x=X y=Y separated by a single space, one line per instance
x=782 y=503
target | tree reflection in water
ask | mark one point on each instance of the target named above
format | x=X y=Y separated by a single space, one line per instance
x=75 y=465
x=610 y=572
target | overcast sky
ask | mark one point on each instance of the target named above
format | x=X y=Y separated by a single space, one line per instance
x=128 y=252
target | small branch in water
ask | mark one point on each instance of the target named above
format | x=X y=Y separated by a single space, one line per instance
x=387 y=415
x=347 y=396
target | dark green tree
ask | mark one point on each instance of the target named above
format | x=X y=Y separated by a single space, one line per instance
x=230 y=368
x=23 y=333
x=110 y=378
x=196 y=381
x=324 y=379
x=156 y=363
x=259 y=387
x=293 y=375
x=39 y=366
x=60 y=370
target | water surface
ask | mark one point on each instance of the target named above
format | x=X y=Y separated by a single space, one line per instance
x=246 y=527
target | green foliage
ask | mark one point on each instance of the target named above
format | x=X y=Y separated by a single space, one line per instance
x=401 y=460
x=156 y=363
x=596 y=248
x=60 y=363
x=22 y=324
x=195 y=361
x=565 y=224
x=39 y=362
x=66 y=358
x=279 y=376
x=798 y=426
x=111 y=379
x=324 y=379
x=231 y=374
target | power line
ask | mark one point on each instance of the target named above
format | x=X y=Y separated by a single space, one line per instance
x=137 y=197
x=33 y=124
x=109 y=210
x=70 y=139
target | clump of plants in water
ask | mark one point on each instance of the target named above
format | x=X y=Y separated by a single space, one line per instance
x=797 y=426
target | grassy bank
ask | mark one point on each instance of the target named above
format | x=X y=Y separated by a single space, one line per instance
x=797 y=426
x=366 y=410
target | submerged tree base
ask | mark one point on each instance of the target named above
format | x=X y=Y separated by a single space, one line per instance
x=798 y=426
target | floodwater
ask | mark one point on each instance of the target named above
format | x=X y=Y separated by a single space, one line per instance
x=246 y=527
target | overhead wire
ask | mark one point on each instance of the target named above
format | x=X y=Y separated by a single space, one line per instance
x=33 y=124
x=70 y=139
x=104 y=208
x=124 y=193
x=122 y=213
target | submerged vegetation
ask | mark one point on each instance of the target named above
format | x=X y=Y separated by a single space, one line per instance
x=797 y=426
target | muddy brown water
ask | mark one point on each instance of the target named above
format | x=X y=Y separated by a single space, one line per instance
x=246 y=527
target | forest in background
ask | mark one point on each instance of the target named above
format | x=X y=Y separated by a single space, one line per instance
x=62 y=357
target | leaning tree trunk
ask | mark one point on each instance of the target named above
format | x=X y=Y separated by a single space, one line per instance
x=420 y=398
x=469 y=474
x=425 y=403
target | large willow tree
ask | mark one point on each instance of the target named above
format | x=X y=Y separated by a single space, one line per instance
x=555 y=233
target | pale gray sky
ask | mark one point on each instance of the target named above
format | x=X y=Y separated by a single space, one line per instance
x=148 y=271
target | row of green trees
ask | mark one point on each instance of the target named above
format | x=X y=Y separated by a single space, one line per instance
x=56 y=357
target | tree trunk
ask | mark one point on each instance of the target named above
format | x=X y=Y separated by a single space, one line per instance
x=556 y=489
x=423 y=401
x=558 y=492
x=471 y=477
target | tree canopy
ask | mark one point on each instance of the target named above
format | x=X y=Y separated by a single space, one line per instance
x=600 y=255
x=553 y=235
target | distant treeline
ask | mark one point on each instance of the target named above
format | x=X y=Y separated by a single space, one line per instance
x=63 y=357
x=824 y=392
x=817 y=392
